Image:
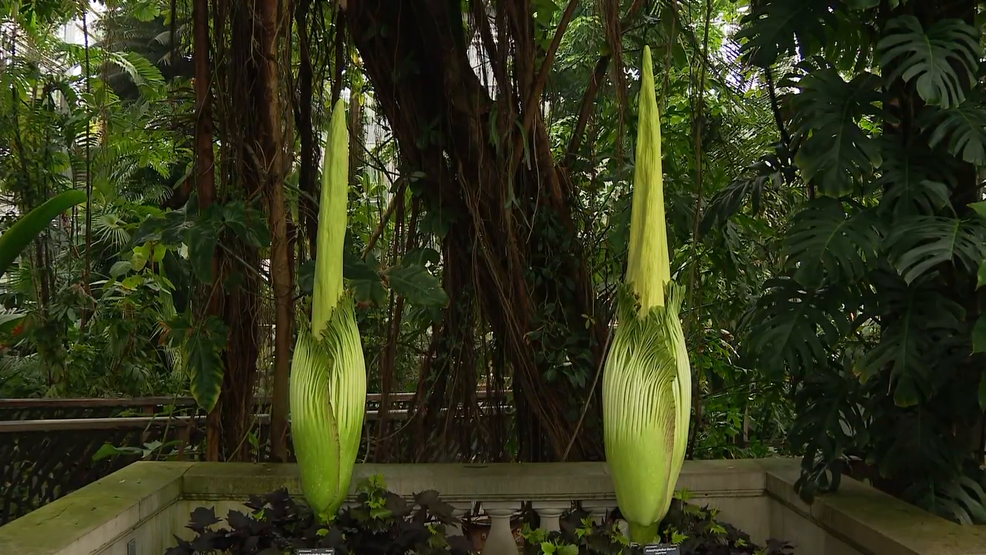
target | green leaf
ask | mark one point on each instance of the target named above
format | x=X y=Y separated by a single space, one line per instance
x=178 y=329
x=203 y=360
x=981 y=275
x=202 y=239
x=979 y=207
x=422 y=256
x=355 y=268
x=979 y=335
x=247 y=223
x=783 y=28
x=30 y=225
x=159 y=252
x=436 y=222
x=119 y=268
x=9 y=320
x=760 y=178
x=417 y=285
x=364 y=279
x=825 y=244
x=306 y=277
x=140 y=70
x=132 y=282
x=912 y=182
x=792 y=328
x=920 y=243
x=369 y=291
x=833 y=151
x=146 y=11
x=140 y=256
x=963 y=128
x=108 y=450
x=907 y=51
x=924 y=326
x=169 y=228
x=969 y=499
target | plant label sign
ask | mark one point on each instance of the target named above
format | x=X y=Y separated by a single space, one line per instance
x=317 y=551
x=661 y=549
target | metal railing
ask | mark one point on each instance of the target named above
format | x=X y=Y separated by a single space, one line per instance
x=48 y=447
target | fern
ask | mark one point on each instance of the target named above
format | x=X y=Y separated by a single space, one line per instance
x=906 y=51
x=766 y=174
x=141 y=71
x=825 y=244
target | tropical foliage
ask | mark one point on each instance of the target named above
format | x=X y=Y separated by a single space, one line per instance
x=874 y=315
x=822 y=164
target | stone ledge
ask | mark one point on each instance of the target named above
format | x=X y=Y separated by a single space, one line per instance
x=87 y=519
x=873 y=521
x=464 y=482
x=144 y=495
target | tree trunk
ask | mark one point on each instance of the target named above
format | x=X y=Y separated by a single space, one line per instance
x=205 y=180
x=271 y=139
x=518 y=222
x=308 y=169
x=253 y=167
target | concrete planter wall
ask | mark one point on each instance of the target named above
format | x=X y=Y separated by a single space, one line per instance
x=137 y=510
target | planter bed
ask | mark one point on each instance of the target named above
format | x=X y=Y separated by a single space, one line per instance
x=139 y=509
x=384 y=523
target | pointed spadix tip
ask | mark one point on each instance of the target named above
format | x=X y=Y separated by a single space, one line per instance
x=648 y=69
x=337 y=124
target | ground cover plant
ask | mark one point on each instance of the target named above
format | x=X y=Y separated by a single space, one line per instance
x=383 y=523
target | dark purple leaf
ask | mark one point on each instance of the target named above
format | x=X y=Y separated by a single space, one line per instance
x=202 y=518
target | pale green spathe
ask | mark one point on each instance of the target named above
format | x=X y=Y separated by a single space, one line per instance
x=328 y=393
x=328 y=373
x=647 y=378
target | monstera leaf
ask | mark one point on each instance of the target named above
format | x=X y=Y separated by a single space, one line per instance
x=834 y=152
x=962 y=500
x=931 y=56
x=825 y=244
x=783 y=28
x=792 y=327
x=920 y=243
x=962 y=128
x=925 y=322
x=912 y=182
